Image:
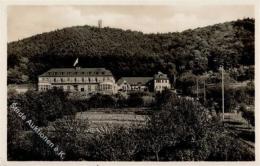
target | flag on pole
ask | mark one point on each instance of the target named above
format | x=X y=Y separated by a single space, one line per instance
x=76 y=62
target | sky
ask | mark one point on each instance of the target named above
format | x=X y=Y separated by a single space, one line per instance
x=26 y=21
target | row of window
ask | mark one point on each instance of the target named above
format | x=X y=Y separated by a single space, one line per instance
x=160 y=87
x=44 y=87
x=74 y=73
x=106 y=87
x=161 y=81
x=125 y=88
x=76 y=87
x=78 y=79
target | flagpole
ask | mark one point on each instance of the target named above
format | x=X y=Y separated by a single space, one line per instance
x=76 y=62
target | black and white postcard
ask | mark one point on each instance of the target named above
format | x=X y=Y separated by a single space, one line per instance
x=156 y=82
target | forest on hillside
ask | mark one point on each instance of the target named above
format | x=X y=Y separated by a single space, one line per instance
x=132 y=53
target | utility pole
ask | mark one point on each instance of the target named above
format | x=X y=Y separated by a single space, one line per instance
x=223 y=107
x=204 y=91
x=197 y=85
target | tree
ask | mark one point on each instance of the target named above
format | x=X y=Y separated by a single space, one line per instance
x=248 y=114
x=186 y=82
x=181 y=124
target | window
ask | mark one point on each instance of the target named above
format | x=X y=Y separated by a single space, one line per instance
x=76 y=87
x=82 y=79
x=75 y=80
x=82 y=89
x=54 y=79
x=68 y=88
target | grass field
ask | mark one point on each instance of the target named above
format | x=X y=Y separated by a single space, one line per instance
x=113 y=117
x=241 y=129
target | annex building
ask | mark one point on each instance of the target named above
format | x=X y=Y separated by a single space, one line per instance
x=157 y=83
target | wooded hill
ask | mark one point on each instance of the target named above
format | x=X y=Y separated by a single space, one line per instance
x=132 y=53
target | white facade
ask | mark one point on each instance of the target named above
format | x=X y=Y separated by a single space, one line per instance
x=161 y=82
x=88 y=82
x=140 y=84
x=125 y=87
x=160 y=85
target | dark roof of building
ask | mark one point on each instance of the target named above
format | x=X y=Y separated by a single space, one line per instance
x=79 y=72
x=160 y=76
x=135 y=80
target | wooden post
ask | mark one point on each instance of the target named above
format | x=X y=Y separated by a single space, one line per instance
x=223 y=95
x=204 y=90
x=197 y=85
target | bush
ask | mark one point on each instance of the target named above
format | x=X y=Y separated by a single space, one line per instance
x=101 y=101
x=227 y=148
x=135 y=100
x=248 y=114
x=41 y=107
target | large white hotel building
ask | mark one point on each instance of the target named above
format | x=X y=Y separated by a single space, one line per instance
x=89 y=80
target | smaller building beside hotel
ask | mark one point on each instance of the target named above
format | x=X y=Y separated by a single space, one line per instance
x=161 y=82
x=130 y=84
x=158 y=83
